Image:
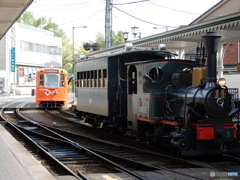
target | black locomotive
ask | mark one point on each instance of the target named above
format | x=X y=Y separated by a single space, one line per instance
x=148 y=94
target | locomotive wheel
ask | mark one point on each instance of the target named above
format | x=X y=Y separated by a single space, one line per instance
x=112 y=130
x=158 y=135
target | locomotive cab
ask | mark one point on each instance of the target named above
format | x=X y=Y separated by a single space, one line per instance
x=148 y=85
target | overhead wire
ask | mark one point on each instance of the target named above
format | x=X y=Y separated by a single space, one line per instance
x=177 y=9
x=142 y=19
x=134 y=2
x=73 y=4
x=68 y=9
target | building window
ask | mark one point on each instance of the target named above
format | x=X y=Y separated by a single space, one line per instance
x=28 y=46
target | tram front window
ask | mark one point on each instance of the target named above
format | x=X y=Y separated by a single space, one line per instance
x=52 y=80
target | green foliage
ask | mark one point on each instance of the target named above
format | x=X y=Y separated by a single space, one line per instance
x=42 y=22
x=117 y=38
x=27 y=18
x=67 y=53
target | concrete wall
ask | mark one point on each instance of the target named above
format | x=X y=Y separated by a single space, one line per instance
x=233 y=80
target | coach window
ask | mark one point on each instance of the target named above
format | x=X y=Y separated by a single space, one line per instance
x=81 y=79
x=78 y=79
x=88 y=79
x=104 y=78
x=95 y=78
x=61 y=80
x=84 y=79
x=132 y=74
x=41 y=80
x=92 y=78
x=99 y=78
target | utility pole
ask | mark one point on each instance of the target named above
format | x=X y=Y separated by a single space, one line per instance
x=108 y=23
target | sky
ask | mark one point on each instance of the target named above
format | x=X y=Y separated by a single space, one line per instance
x=145 y=14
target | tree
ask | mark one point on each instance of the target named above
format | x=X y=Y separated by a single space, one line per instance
x=27 y=18
x=117 y=38
x=67 y=56
x=42 y=22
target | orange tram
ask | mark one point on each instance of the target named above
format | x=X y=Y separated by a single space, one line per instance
x=52 y=87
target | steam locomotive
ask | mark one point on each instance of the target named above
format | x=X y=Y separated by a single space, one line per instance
x=148 y=94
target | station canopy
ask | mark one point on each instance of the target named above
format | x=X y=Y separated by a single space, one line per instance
x=187 y=37
x=10 y=11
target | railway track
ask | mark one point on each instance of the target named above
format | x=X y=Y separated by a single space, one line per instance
x=68 y=157
x=113 y=150
x=126 y=158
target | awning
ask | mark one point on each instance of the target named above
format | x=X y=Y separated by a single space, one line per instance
x=189 y=36
x=10 y=11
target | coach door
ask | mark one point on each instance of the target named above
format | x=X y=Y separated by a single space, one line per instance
x=132 y=80
x=132 y=91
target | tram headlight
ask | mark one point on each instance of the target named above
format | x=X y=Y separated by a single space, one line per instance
x=222 y=82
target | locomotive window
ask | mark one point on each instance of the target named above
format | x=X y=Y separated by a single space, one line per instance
x=156 y=74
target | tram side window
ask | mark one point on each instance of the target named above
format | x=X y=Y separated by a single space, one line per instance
x=41 y=80
x=61 y=80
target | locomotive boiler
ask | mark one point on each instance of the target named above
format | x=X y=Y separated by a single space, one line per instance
x=148 y=94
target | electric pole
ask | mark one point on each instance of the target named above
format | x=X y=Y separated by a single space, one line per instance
x=108 y=23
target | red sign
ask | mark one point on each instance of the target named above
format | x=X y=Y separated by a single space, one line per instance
x=21 y=72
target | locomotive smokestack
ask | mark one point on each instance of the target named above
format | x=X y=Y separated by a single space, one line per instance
x=211 y=43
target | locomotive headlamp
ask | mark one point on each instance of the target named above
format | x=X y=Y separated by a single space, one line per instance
x=222 y=82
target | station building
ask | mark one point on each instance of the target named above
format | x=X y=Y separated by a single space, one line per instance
x=23 y=50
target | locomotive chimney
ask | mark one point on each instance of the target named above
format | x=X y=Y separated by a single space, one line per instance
x=211 y=43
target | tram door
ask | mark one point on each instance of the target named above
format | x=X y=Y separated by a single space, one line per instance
x=132 y=91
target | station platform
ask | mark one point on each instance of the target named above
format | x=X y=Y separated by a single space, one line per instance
x=16 y=163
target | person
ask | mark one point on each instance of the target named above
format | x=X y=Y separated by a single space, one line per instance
x=41 y=84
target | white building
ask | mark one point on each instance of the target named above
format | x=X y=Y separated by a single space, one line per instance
x=23 y=50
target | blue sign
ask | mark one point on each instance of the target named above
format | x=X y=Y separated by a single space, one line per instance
x=71 y=75
x=13 y=59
